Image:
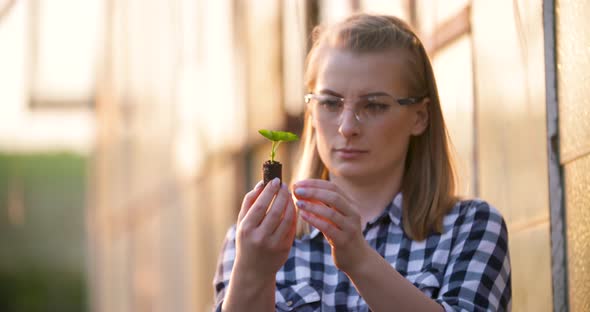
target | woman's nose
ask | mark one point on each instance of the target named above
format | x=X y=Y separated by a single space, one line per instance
x=349 y=122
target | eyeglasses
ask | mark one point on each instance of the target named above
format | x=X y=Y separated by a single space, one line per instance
x=370 y=108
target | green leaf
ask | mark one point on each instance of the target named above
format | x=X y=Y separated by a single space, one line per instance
x=276 y=136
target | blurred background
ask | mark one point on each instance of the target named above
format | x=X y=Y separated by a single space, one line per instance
x=128 y=137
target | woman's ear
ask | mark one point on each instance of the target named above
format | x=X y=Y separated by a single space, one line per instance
x=421 y=111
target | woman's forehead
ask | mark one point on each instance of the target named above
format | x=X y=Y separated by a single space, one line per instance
x=366 y=71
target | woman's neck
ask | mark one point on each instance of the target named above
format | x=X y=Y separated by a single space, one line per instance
x=371 y=195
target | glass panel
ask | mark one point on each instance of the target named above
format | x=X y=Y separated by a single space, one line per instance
x=14 y=44
x=293 y=55
x=454 y=77
x=157 y=114
x=223 y=194
x=265 y=108
x=573 y=67
x=511 y=137
x=397 y=8
x=577 y=188
x=22 y=129
x=64 y=35
x=531 y=278
x=432 y=13
x=219 y=84
x=144 y=251
x=511 y=110
x=335 y=10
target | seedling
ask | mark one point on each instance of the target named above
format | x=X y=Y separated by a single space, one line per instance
x=272 y=169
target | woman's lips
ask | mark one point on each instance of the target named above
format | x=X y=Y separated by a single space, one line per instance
x=350 y=153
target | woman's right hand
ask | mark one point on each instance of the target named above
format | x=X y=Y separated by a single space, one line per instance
x=264 y=235
x=265 y=232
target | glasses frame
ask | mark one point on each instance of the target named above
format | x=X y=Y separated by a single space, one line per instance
x=401 y=101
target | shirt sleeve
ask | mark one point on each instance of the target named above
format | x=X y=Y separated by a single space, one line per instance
x=225 y=263
x=478 y=277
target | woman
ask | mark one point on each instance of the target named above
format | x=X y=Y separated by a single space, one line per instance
x=379 y=225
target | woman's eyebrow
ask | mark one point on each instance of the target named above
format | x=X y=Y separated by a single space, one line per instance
x=334 y=93
x=330 y=92
x=375 y=94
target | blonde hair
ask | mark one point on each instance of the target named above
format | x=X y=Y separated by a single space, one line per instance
x=429 y=180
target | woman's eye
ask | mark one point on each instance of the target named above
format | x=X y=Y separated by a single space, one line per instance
x=330 y=104
x=376 y=107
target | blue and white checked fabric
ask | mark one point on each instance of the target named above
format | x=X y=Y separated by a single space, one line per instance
x=466 y=268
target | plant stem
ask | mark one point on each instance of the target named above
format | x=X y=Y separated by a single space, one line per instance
x=275 y=145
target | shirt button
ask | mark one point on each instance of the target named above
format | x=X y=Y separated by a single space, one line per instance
x=289 y=303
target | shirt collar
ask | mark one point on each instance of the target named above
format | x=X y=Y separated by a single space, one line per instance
x=314 y=232
x=393 y=210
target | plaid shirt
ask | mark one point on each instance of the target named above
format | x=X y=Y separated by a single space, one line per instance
x=466 y=268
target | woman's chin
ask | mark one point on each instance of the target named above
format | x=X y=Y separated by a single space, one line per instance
x=348 y=170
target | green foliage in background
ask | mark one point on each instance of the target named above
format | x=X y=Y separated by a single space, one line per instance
x=42 y=233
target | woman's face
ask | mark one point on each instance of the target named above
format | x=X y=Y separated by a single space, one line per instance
x=377 y=144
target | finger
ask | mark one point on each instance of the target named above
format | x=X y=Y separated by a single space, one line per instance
x=327 y=213
x=331 y=198
x=295 y=219
x=249 y=200
x=273 y=216
x=325 y=227
x=258 y=209
x=320 y=184
x=317 y=183
x=287 y=224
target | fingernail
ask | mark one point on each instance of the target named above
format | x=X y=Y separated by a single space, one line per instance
x=300 y=192
x=259 y=184
x=300 y=204
x=276 y=181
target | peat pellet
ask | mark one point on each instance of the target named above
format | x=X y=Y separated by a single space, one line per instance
x=271 y=170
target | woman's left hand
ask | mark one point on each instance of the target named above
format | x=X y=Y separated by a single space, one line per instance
x=325 y=206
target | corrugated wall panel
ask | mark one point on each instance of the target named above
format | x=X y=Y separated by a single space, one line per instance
x=573 y=77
